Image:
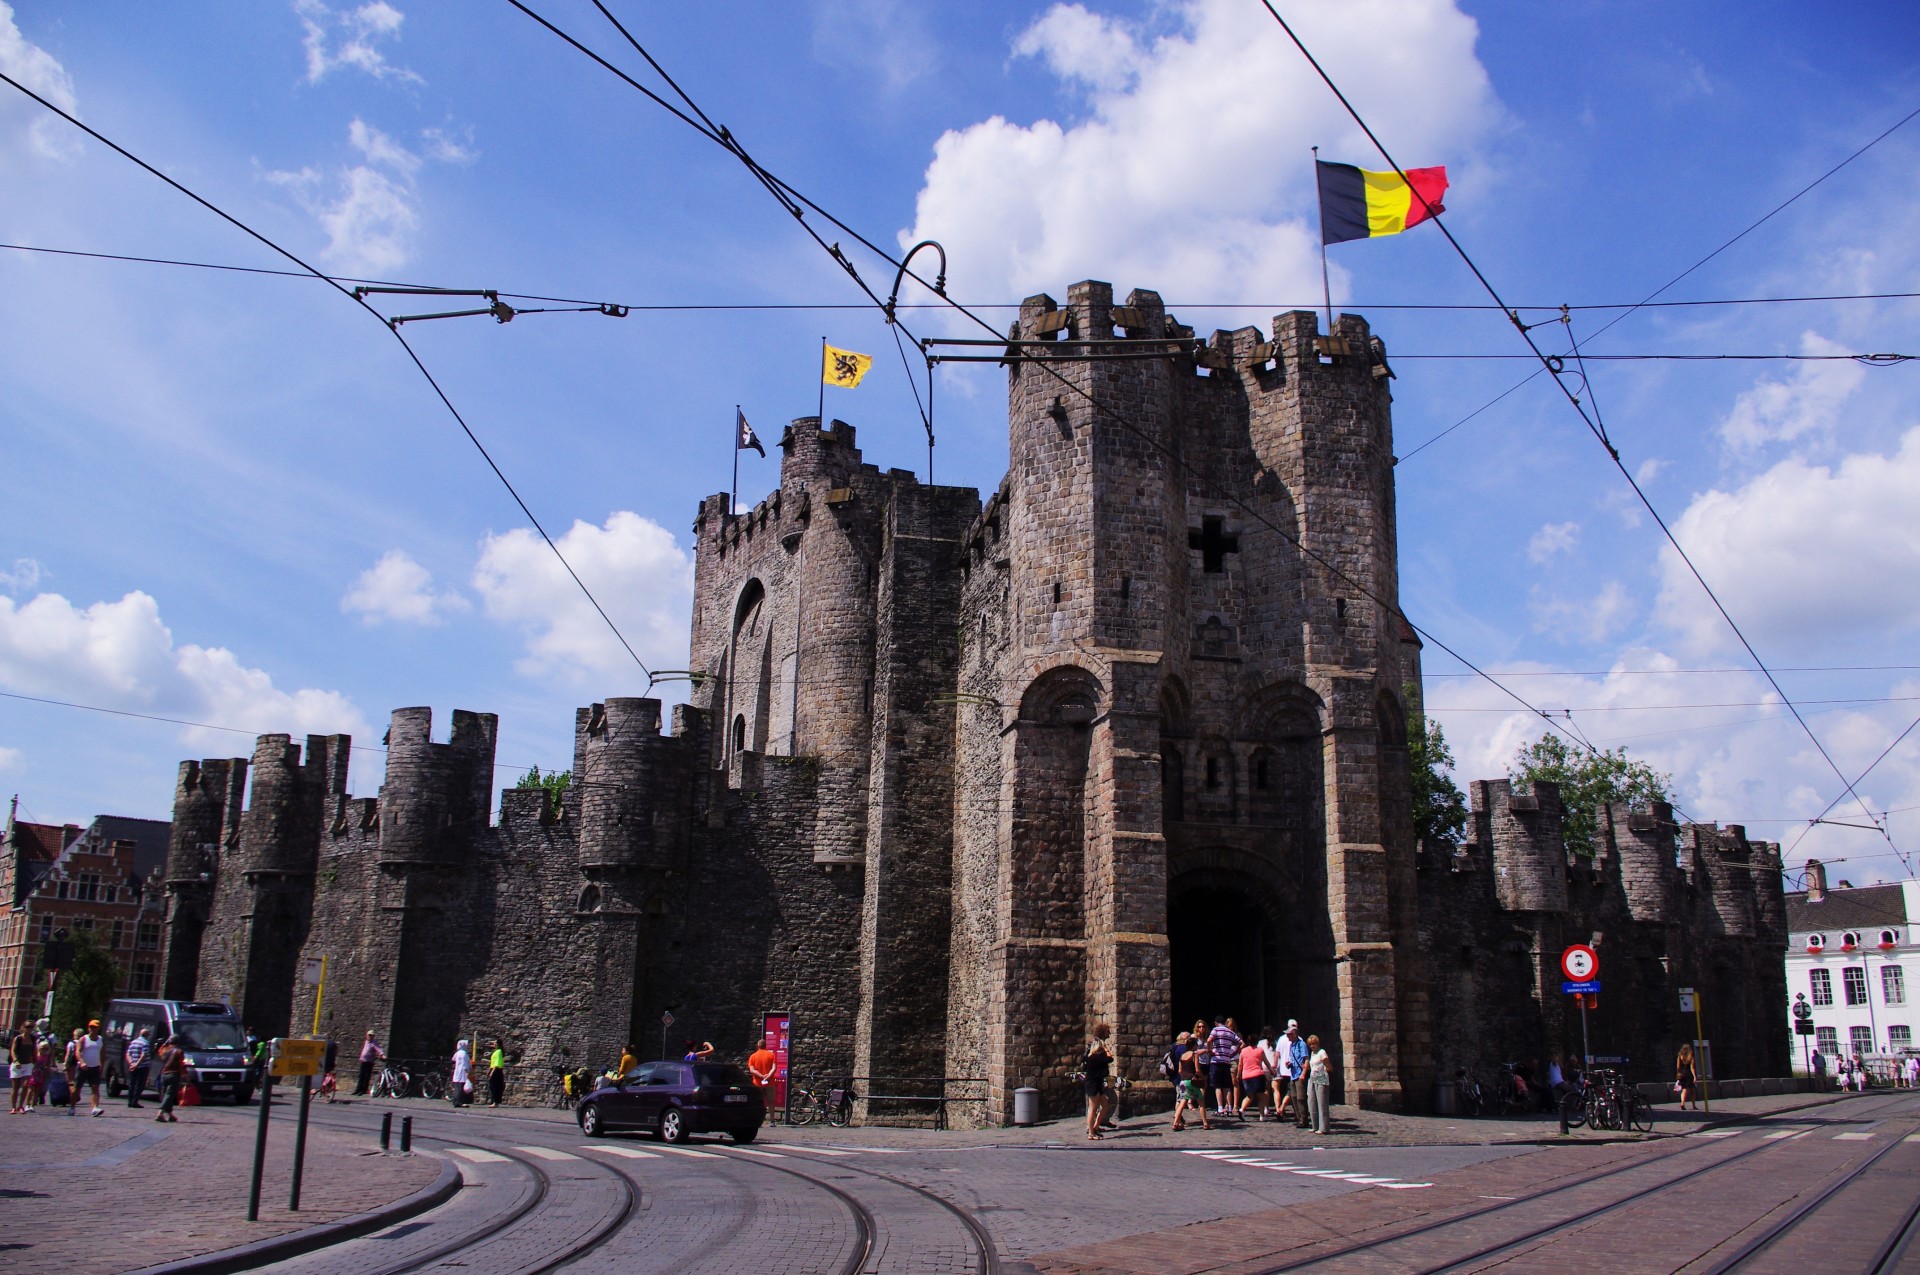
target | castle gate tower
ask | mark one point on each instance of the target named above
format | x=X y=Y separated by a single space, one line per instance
x=1181 y=755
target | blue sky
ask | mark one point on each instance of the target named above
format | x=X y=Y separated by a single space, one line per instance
x=233 y=501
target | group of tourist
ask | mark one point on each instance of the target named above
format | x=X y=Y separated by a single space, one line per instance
x=43 y=1070
x=1217 y=1072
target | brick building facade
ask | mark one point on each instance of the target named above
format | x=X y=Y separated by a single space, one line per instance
x=1125 y=742
x=104 y=879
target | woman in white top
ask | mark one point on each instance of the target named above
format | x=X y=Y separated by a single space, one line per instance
x=462 y=1074
x=1319 y=1084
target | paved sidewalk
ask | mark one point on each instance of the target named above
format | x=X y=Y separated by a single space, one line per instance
x=123 y=1191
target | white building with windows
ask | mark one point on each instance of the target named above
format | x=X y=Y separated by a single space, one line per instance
x=1853 y=953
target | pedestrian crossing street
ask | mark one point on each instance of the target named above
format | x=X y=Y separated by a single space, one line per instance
x=1307 y=1171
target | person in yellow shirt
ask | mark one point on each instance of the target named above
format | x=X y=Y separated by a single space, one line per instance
x=496 y=1075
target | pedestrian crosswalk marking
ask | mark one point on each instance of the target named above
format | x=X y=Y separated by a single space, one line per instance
x=765 y=1155
x=698 y=1155
x=477 y=1156
x=1785 y=1133
x=813 y=1150
x=1281 y=1166
x=1851 y=1137
x=632 y=1153
x=547 y=1153
x=1717 y=1133
x=1912 y=1137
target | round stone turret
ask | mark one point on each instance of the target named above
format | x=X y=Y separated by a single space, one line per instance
x=434 y=794
x=1642 y=836
x=276 y=833
x=1529 y=856
x=626 y=769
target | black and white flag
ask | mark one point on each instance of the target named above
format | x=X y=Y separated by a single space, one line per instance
x=743 y=436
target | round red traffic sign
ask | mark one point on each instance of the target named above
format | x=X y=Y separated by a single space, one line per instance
x=1580 y=963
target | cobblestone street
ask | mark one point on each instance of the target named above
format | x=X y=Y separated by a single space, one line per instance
x=1380 y=1193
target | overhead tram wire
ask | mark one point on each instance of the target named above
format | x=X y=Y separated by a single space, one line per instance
x=1263 y=307
x=1548 y=364
x=440 y=393
x=1862 y=779
x=791 y=198
x=1650 y=299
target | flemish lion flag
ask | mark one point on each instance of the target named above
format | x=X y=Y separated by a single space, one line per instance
x=1358 y=204
x=843 y=367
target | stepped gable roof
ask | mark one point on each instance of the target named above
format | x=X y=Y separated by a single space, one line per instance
x=1870 y=907
x=41 y=842
x=149 y=837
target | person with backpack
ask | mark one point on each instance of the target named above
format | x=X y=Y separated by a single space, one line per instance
x=1189 y=1092
x=173 y=1078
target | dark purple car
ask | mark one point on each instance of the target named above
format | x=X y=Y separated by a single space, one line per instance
x=674 y=1100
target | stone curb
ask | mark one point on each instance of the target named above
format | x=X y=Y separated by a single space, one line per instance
x=281 y=1247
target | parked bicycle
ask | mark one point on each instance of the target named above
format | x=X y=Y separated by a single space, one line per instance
x=1604 y=1099
x=392 y=1082
x=1471 y=1098
x=833 y=1105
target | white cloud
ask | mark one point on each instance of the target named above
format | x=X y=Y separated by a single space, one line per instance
x=399 y=589
x=1190 y=173
x=10 y=758
x=25 y=575
x=1808 y=401
x=448 y=149
x=1803 y=555
x=40 y=71
x=887 y=37
x=1583 y=619
x=633 y=565
x=348 y=37
x=368 y=214
x=1745 y=762
x=120 y=655
x=1552 y=539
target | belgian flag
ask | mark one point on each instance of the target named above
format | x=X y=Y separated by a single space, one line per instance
x=1358 y=204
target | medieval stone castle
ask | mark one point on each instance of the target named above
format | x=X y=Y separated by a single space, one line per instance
x=1125 y=742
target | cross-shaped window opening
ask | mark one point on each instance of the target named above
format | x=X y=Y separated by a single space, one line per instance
x=1214 y=545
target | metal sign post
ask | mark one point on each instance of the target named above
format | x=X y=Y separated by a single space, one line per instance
x=1690 y=1000
x=1580 y=965
x=287 y=1058
x=314 y=974
x=260 y=1147
x=666 y=1021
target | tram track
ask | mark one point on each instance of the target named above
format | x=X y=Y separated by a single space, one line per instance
x=866 y=1228
x=476 y=1240
x=1512 y=1244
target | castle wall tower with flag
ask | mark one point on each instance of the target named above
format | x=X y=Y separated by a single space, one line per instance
x=955 y=780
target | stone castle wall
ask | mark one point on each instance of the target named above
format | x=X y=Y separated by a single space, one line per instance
x=954 y=782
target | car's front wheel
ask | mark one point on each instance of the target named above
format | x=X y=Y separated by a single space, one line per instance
x=673 y=1125
x=746 y=1135
x=590 y=1122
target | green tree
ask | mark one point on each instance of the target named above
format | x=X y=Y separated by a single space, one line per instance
x=1439 y=807
x=555 y=782
x=1587 y=781
x=83 y=989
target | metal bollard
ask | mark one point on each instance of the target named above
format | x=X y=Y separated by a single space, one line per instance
x=386 y=1131
x=406 y=1135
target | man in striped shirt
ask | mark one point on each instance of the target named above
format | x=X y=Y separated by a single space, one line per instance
x=139 y=1059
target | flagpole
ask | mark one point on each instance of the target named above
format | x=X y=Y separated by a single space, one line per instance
x=823 y=383
x=733 y=496
x=1326 y=284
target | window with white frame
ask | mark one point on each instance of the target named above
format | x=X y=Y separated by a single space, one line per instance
x=1822 y=982
x=1861 y=1039
x=1898 y=1038
x=1893 y=985
x=1854 y=977
x=1827 y=1040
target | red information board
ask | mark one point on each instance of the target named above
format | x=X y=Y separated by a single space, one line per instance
x=776 y=1033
